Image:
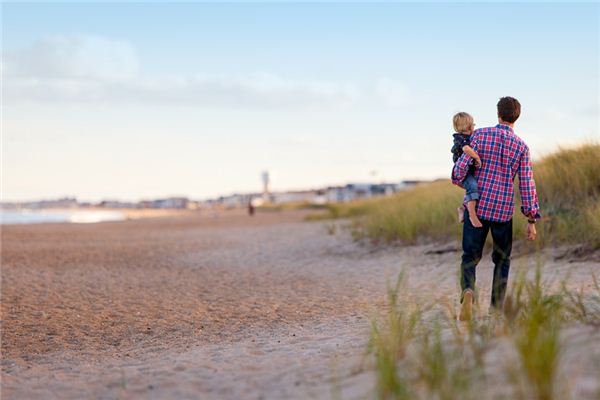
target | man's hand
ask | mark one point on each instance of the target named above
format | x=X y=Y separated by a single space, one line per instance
x=477 y=161
x=531 y=232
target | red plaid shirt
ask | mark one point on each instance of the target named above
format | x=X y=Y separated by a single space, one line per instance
x=503 y=155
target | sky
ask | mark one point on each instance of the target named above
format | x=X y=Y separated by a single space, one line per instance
x=149 y=99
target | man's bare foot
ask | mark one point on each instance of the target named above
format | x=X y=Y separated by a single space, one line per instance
x=466 y=309
x=461 y=214
x=475 y=221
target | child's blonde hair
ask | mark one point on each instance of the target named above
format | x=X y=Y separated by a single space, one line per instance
x=463 y=122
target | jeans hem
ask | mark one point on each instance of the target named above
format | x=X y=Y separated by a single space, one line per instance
x=471 y=196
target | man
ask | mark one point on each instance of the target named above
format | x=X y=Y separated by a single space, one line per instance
x=503 y=156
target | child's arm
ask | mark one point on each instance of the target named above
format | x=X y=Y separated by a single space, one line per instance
x=471 y=153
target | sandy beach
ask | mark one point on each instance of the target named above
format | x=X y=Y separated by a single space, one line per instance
x=220 y=306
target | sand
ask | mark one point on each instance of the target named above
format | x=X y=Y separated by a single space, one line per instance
x=213 y=306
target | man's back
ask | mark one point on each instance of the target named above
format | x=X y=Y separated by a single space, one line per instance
x=503 y=154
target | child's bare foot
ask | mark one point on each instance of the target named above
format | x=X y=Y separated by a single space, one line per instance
x=473 y=214
x=461 y=214
x=475 y=221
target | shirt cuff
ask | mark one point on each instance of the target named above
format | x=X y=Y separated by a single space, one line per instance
x=531 y=214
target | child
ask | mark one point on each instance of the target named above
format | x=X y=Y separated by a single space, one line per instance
x=464 y=125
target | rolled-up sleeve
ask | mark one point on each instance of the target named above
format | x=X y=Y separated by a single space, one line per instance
x=461 y=167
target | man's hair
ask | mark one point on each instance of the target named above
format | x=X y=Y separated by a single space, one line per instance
x=509 y=109
x=463 y=122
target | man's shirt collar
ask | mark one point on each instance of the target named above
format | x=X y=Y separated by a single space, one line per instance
x=505 y=127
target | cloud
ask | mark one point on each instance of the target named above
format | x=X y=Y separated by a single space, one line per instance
x=95 y=69
x=394 y=93
x=74 y=57
x=590 y=111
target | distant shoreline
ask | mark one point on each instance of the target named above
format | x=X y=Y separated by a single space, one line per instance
x=81 y=215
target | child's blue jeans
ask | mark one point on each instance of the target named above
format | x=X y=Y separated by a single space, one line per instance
x=470 y=185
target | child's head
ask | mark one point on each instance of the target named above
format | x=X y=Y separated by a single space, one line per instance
x=463 y=123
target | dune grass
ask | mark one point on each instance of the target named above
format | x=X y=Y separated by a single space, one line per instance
x=415 y=359
x=568 y=184
x=295 y=205
x=389 y=345
x=445 y=370
x=535 y=319
x=569 y=189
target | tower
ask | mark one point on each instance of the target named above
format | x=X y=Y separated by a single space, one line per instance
x=265 y=181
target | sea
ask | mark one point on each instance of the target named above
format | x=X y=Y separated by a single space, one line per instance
x=9 y=217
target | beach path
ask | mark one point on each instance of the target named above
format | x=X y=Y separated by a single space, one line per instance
x=203 y=306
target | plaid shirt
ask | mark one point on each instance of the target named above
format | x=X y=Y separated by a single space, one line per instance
x=503 y=155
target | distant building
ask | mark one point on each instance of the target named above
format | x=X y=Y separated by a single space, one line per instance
x=236 y=200
x=178 y=203
x=357 y=191
x=117 y=204
x=66 y=202
x=299 y=196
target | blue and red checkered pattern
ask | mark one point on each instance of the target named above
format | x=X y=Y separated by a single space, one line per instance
x=503 y=155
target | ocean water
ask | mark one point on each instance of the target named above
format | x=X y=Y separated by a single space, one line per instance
x=8 y=217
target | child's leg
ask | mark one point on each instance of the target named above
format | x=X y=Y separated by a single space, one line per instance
x=470 y=184
x=473 y=214
x=461 y=214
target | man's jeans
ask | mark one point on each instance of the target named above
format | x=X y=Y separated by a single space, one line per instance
x=473 y=242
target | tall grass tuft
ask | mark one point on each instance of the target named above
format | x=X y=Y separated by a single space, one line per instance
x=412 y=360
x=569 y=178
x=389 y=342
x=446 y=369
x=535 y=318
x=420 y=358
x=582 y=307
x=569 y=189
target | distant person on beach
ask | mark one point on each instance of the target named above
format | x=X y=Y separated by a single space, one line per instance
x=503 y=156
x=463 y=128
